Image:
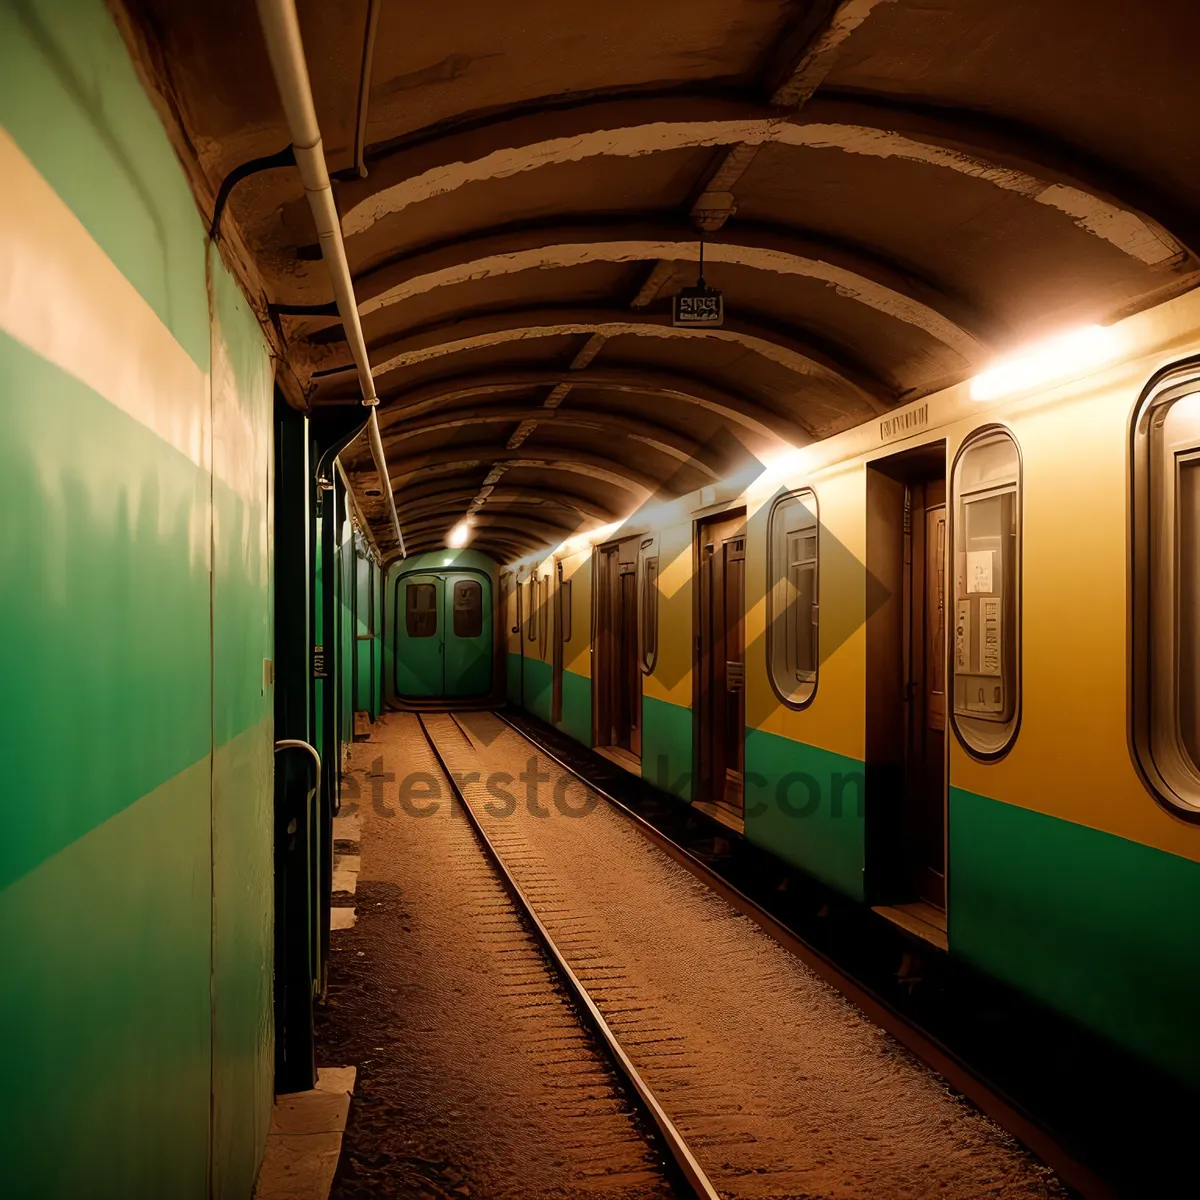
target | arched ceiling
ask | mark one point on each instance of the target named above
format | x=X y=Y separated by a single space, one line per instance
x=891 y=193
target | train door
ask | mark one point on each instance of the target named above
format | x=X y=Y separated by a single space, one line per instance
x=468 y=640
x=720 y=703
x=420 y=634
x=618 y=678
x=557 y=664
x=906 y=702
x=443 y=635
x=925 y=753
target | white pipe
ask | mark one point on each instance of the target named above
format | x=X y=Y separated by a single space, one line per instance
x=385 y=481
x=281 y=29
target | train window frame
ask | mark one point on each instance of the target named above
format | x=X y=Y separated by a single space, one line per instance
x=509 y=591
x=477 y=585
x=1167 y=768
x=647 y=586
x=977 y=734
x=782 y=615
x=564 y=607
x=409 y=609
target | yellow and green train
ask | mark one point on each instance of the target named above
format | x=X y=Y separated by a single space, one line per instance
x=945 y=663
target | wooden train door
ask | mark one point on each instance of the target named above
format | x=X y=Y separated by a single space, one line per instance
x=720 y=667
x=618 y=694
x=628 y=726
x=906 y=688
x=925 y=693
x=557 y=656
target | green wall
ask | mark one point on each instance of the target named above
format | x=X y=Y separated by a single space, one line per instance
x=135 y=850
x=1098 y=927
x=243 y=737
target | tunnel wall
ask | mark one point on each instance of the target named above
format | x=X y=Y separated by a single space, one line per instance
x=135 y=851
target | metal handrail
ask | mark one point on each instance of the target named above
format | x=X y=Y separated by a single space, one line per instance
x=312 y=844
x=299 y=744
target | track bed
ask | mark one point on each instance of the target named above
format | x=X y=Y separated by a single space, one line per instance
x=780 y=1087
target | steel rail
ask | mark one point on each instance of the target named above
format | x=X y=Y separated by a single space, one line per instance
x=685 y=1160
x=1006 y=1112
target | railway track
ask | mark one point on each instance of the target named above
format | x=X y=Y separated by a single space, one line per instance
x=720 y=1147
x=690 y=1174
x=959 y=1074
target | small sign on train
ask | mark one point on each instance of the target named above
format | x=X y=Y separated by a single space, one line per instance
x=698 y=306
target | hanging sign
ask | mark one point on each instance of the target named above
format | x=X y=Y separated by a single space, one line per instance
x=698 y=306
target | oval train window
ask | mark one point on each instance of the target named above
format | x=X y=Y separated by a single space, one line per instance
x=985 y=651
x=792 y=600
x=1165 y=624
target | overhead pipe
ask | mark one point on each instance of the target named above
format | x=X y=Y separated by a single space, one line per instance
x=364 y=87
x=281 y=29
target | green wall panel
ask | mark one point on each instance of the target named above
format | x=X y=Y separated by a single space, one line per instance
x=805 y=805
x=577 y=707
x=242 y=956
x=243 y=733
x=71 y=99
x=135 y=874
x=105 y=1007
x=667 y=746
x=1103 y=929
x=104 y=578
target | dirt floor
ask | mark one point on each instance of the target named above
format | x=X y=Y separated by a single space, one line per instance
x=475 y=1077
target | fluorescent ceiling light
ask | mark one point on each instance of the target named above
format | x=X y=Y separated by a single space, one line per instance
x=456 y=539
x=1058 y=358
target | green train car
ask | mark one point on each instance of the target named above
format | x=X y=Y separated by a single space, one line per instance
x=443 y=626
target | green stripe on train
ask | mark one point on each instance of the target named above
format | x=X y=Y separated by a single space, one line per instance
x=539 y=685
x=667 y=746
x=806 y=805
x=577 y=707
x=1100 y=928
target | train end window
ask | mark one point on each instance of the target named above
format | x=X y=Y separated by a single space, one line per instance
x=793 y=612
x=648 y=608
x=420 y=610
x=468 y=608
x=1165 y=615
x=985 y=654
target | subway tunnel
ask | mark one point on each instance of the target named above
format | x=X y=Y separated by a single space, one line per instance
x=626 y=584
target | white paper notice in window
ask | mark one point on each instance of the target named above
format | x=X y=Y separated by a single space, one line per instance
x=979 y=571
